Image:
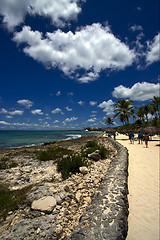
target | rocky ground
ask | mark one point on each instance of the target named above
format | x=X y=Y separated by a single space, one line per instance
x=53 y=206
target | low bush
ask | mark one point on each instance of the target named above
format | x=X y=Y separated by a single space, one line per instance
x=10 y=200
x=104 y=152
x=93 y=146
x=52 y=154
x=70 y=165
x=6 y=163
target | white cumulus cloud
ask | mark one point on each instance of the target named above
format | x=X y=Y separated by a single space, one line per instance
x=81 y=103
x=57 y=110
x=9 y=117
x=4 y=123
x=92 y=119
x=92 y=103
x=68 y=109
x=92 y=49
x=139 y=91
x=56 y=121
x=58 y=93
x=15 y=11
x=136 y=28
x=70 y=120
x=108 y=107
x=37 y=112
x=16 y=112
x=4 y=111
x=153 y=53
x=25 y=102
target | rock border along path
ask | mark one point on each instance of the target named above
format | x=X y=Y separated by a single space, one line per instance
x=107 y=215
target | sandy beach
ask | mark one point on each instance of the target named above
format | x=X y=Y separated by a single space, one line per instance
x=143 y=184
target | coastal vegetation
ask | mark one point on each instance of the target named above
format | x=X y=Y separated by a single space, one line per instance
x=124 y=110
x=69 y=161
x=6 y=163
x=52 y=153
x=109 y=121
x=92 y=146
x=10 y=200
x=132 y=117
x=144 y=116
x=69 y=165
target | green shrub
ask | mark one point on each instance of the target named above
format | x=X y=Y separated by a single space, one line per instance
x=6 y=163
x=52 y=154
x=10 y=200
x=92 y=146
x=104 y=152
x=70 y=165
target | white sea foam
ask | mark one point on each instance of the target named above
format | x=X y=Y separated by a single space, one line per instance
x=73 y=136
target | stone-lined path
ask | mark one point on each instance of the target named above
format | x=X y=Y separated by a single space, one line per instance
x=107 y=215
x=143 y=184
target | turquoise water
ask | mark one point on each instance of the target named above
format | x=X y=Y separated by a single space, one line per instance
x=12 y=139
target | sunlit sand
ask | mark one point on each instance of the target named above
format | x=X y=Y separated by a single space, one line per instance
x=143 y=184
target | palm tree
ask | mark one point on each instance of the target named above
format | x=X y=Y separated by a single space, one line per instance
x=109 y=121
x=141 y=114
x=124 y=110
x=121 y=118
x=155 y=106
x=147 y=110
x=155 y=110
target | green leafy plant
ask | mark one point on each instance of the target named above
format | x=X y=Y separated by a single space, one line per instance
x=52 y=154
x=70 y=165
x=104 y=152
x=6 y=163
x=92 y=146
x=10 y=200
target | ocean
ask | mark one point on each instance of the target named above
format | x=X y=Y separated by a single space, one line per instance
x=17 y=139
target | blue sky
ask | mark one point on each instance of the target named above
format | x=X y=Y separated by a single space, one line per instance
x=64 y=63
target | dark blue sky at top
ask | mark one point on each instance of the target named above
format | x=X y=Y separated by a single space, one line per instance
x=22 y=77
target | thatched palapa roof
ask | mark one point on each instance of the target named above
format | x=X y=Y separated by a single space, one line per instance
x=110 y=130
x=124 y=131
x=150 y=130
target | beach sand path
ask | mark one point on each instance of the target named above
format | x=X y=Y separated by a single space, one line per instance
x=143 y=183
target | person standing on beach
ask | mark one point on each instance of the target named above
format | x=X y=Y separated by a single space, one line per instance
x=131 y=137
x=146 y=139
x=140 y=137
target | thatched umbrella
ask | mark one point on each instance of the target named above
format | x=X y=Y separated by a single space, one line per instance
x=110 y=130
x=124 y=131
x=150 y=130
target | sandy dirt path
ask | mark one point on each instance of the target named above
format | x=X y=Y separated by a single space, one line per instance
x=143 y=182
